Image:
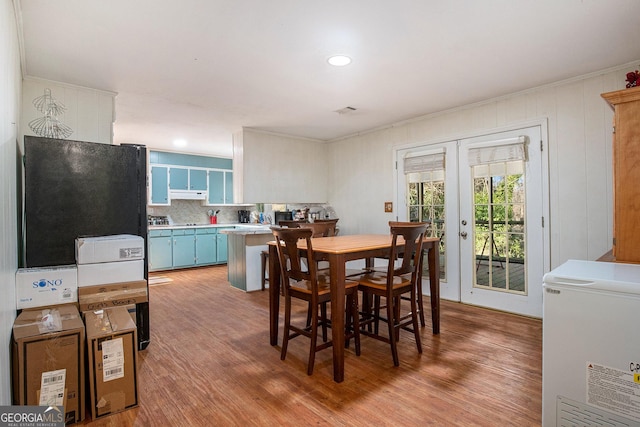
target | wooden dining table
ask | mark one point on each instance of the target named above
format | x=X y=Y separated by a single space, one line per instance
x=337 y=251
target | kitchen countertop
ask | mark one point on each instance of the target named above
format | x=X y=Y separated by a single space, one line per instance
x=249 y=229
x=239 y=228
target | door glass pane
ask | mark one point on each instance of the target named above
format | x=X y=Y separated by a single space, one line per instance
x=425 y=202
x=499 y=215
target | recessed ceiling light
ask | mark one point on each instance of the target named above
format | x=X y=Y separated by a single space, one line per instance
x=339 y=60
x=180 y=143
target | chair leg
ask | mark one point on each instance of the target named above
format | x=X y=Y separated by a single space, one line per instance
x=367 y=301
x=287 y=325
x=414 y=316
x=392 y=331
x=356 y=322
x=420 y=306
x=263 y=264
x=376 y=315
x=314 y=338
x=323 y=314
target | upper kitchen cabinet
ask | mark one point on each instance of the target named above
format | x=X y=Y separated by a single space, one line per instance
x=198 y=179
x=178 y=178
x=209 y=179
x=159 y=185
x=220 y=188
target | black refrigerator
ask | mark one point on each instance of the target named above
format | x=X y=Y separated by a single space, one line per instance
x=82 y=189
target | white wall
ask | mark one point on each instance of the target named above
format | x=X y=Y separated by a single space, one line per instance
x=10 y=86
x=361 y=174
x=283 y=169
x=89 y=112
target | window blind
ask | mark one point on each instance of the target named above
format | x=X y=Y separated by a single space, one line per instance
x=424 y=163
x=505 y=150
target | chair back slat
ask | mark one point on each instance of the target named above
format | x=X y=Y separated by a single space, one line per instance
x=320 y=229
x=291 y=265
x=413 y=234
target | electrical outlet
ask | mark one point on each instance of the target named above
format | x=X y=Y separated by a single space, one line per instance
x=388 y=206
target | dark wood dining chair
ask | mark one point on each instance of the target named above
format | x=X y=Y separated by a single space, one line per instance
x=392 y=285
x=290 y=223
x=320 y=229
x=330 y=221
x=308 y=285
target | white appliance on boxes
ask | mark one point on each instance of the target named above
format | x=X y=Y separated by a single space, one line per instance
x=591 y=345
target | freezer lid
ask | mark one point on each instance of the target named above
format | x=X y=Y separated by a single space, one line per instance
x=595 y=275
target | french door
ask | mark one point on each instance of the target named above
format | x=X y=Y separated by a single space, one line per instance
x=487 y=203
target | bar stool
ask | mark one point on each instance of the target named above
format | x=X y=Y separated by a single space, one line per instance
x=264 y=257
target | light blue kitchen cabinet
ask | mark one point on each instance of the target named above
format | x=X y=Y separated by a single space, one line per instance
x=184 y=247
x=178 y=178
x=179 y=159
x=220 y=187
x=228 y=187
x=159 y=185
x=216 y=187
x=221 y=243
x=174 y=248
x=160 y=250
x=206 y=246
x=198 y=179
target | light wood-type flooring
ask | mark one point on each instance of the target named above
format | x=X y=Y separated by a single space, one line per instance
x=209 y=363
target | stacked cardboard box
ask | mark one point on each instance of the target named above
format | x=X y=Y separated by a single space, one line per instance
x=46 y=286
x=112 y=352
x=110 y=282
x=109 y=259
x=111 y=272
x=48 y=359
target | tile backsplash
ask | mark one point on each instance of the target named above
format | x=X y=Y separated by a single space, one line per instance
x=192 y=212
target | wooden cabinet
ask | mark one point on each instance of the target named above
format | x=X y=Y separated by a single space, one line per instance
x=626 y=173
x=220 y=187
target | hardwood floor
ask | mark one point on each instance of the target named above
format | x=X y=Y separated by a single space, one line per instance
x=209 y=363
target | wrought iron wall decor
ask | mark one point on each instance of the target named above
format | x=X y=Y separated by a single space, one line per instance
x=49 y=125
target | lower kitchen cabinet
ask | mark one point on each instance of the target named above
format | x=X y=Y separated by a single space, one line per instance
x=206 y=246
x=160 y=250
x=221 y=243
x=174 y=248
x=184 y=249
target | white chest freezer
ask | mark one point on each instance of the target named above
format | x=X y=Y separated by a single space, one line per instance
x=591 y=345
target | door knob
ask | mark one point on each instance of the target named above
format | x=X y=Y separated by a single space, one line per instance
x=463 y=234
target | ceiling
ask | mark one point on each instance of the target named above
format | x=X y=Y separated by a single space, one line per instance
x=199 y=70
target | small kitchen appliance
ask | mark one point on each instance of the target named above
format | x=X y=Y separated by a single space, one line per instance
x=244 y=216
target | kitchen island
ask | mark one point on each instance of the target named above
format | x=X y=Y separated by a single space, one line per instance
x=245 y=243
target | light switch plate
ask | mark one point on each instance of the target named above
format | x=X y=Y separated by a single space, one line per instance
x=388 y=206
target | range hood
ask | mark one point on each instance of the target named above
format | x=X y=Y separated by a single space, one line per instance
x=188 y=195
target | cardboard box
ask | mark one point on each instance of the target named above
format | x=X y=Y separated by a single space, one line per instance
x=112 y=295
x=112 y=350
x=120 y=247
x=110 y=272
x=48 y=359
x=46 y=286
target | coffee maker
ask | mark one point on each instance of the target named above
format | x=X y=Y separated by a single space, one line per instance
x=244 y=216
